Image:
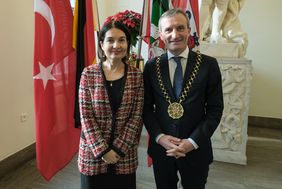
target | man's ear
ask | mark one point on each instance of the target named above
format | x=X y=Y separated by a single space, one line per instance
x=189 y=30
x=161 y=36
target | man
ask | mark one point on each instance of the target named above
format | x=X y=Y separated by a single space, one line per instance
x=180 y=124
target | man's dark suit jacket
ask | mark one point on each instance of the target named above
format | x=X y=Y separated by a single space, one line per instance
x=202 y=108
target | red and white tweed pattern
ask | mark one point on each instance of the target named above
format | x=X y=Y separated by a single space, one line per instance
x=96 y=121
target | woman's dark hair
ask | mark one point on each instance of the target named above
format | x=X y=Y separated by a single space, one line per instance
x=106 y=27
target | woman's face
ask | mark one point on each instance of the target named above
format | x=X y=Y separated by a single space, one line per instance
x=115 y=44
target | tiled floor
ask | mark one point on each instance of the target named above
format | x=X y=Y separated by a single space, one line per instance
x=263 y=170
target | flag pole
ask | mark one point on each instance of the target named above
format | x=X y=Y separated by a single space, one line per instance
x=140 y=61
x=140 y=34
x=97 y=14
x=97 y=26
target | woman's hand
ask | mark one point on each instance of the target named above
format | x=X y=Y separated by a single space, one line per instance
x=111 y=157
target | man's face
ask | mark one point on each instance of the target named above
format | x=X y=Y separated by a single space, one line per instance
x=175 y=32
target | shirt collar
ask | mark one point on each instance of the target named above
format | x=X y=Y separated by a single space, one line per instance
x=184 y=54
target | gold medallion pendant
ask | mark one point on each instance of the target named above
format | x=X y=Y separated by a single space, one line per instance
x=175 y=110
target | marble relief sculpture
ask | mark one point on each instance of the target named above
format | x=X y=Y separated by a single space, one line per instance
x=230 y=139
x=221 y=36
x=219 y=23
x=233 y=90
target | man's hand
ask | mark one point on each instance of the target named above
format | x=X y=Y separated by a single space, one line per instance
x=169 y=142
x=111 y=157
x=184 y=146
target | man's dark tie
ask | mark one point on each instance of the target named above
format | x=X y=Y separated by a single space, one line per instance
x=178 y=77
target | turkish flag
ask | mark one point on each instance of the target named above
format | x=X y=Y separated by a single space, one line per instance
x=54 y=86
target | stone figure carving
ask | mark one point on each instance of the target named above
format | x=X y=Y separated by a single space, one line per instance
x=219 y=22
x=229 y=136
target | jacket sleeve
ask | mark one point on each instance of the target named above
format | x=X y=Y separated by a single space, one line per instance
x=131 y=134
x=213 y=105
x=89 y=127
x=149 y=118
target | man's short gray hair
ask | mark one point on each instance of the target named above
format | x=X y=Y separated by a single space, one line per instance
x=173 y=12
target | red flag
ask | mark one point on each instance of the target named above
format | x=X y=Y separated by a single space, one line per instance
x=54 y=86
x=146 y=21
x=191 y=8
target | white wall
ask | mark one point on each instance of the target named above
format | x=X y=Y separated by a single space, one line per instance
x=16 y=60
x=260 y=19
x=109 y=7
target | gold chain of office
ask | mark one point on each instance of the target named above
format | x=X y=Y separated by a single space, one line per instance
x=175 y=109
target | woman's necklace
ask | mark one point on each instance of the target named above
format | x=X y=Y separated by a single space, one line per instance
x=111 y=72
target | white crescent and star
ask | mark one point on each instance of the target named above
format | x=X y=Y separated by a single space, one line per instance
x=42 y=8
x=45 y=74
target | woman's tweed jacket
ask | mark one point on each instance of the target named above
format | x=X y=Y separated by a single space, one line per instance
x=99 y=126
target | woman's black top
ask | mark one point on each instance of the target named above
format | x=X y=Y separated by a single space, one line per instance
x=115 y=93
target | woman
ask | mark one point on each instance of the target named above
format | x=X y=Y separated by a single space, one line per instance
x=111 y=102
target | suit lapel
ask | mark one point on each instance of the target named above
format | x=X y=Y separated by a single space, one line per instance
x=189 y=67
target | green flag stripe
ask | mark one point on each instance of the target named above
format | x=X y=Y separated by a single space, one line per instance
x=158 y=8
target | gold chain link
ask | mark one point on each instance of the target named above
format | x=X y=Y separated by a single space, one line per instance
x=189 y=83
